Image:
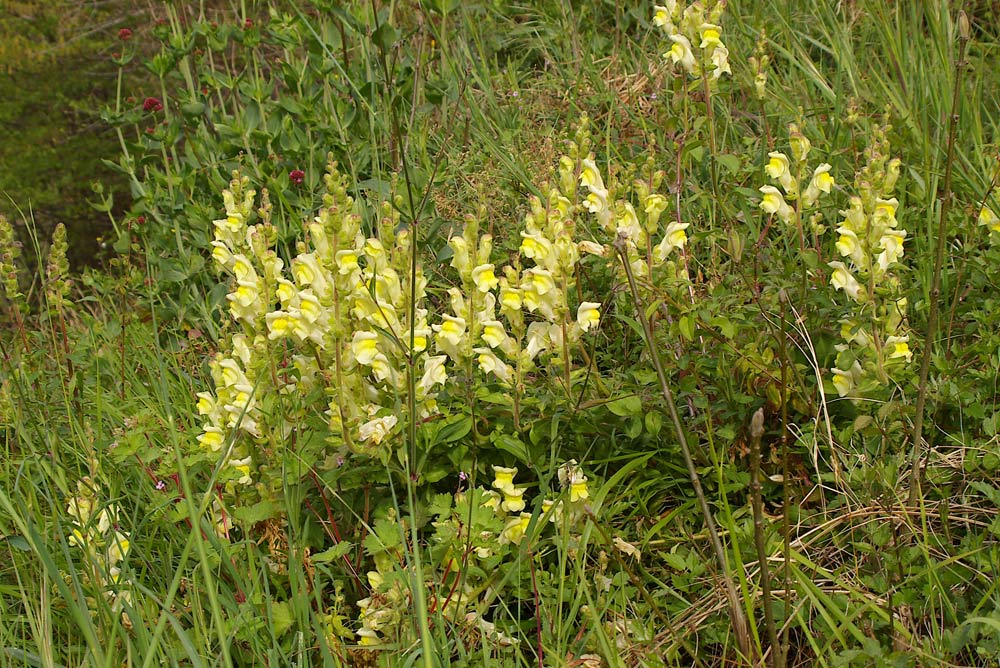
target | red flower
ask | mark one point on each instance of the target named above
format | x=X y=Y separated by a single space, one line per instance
x=124 y=34
x=152 y=104
x=297 y=176
x=247 y=24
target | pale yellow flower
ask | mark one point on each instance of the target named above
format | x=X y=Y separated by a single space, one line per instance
x=513 y=501
x=989 y=218
x=510 y=298
x=779 y=169
x=842 y=279
x=494 y=333
x=212 y=438
x=485 y=278
x=680 y=53
x=516 y=528
x=504 y=478
x=899 y=348
x=588 y=315
x=364 y=347
x=711 y=35
x=774 y=204
x=434 y=372
x=674 y=237
x=590 y=176
x=535 y=246
x=450 y=331
x=347 y=262
x=490 y=363
x=376 y=430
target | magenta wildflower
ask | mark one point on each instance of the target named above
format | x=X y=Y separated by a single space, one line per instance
x=152 y=104
x=297 y=176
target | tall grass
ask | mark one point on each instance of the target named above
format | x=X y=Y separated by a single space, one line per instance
x=825 y=531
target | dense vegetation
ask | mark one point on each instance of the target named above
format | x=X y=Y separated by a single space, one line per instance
x=555 y=334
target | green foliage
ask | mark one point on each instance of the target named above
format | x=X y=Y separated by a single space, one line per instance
x=376 y=377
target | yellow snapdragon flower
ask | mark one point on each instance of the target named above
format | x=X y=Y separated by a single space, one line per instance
x=988 y=218
x=515 y=529
x=503 y=478
x=212 y=438
x=588 y=315
x=364 y=347
x=843 y=279
x=485 y=278
x=779 y=169
x=899 y=348
x=681 y=54
x=774 y=204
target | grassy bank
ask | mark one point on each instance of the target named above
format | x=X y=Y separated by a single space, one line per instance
x=479 y=334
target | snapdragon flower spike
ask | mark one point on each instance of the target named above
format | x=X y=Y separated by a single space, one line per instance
x=869 y=236
x=691 y=26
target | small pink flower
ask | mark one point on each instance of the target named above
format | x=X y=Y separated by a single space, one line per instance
x=124 y=34
x=247 y=24
x=297 y=176
x=152 y=104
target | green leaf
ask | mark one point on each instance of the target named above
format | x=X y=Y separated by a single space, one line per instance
x=338 y=551
x=724 y=325
x=454 y=428
x=258 y=512
x=281 y=618
x=729 y=162
x=626 y=406
x=385 y=37
x=654 y=422
x=193 y=109
x=686 y=326
x=512 y=446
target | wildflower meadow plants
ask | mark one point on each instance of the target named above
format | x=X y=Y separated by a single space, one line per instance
x=461 y=334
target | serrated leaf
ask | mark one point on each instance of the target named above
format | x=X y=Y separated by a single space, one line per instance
x=281 y=618
x=258 y=512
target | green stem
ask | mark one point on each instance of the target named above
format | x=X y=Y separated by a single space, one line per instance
x=736 y=614
x=935 y=295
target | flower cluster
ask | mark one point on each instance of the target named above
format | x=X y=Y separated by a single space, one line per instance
x=97 y=533
x=789 y=174
x=693 y=25
x=336 y=321
x=636 y=225
x=870 y=243
x=10 y=252
x=483 y=525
